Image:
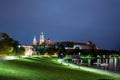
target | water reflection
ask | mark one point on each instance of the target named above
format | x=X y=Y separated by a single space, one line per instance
x=112 y=64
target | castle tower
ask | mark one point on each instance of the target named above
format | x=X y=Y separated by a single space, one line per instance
x=41 y=38
x=34 y=41
x=48 y=41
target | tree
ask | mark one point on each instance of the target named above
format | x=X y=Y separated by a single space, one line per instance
x=8 y=46
x=61 y=51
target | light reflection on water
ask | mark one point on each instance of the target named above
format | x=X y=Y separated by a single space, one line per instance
x=113 y=64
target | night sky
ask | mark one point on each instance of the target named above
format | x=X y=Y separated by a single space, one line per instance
x=63 y=20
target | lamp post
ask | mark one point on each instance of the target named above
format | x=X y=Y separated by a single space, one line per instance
x=19 y=46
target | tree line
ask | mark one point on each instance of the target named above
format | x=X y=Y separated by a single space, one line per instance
x=9 y=46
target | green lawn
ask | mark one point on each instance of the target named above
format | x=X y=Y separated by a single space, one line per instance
x=38 y=68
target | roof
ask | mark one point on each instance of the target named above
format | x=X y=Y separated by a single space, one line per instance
x=74 y=43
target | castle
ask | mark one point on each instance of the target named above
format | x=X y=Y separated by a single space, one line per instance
x=87 y=45
x=41 y=41
x=67 y=45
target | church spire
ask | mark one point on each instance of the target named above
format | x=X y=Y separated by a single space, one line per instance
x=34 y=41
x=42 y=38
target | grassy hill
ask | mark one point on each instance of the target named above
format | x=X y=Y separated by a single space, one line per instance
x=41 y=68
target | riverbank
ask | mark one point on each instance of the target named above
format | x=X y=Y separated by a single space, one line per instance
x=95 y=70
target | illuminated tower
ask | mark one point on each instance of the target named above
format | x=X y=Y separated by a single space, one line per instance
x=34 y=41
x=41 y=38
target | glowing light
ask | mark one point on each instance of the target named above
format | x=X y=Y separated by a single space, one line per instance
x=9 y=57
x=28 y=50
x=60 y=60
x=19 y=46
x=24 y=56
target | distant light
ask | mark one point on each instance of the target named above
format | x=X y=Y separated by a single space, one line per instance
x=19 y=46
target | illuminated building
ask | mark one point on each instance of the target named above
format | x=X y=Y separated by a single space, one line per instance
x=74 y=45
x=34 y=41
x=67 y=44
x=28 y=50
x=42 y=40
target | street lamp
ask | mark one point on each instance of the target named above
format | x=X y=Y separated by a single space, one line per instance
x=19 y=46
